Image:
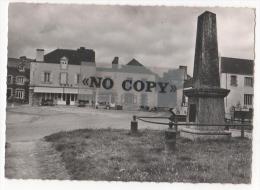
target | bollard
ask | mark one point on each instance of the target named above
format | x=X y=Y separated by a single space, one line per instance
x=242 y=130
x=176 y=125
x=134 y=125
x=170 y=140
x=170 y=124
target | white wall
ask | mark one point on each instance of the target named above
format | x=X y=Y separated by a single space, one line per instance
x=236 y=94
x=119 y=77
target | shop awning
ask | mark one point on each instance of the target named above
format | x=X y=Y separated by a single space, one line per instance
x=47 y=90
x=61 y=90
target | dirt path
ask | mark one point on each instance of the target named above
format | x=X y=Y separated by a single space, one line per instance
x=34 y=160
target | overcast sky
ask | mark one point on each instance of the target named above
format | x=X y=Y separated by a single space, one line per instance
x=155 y=36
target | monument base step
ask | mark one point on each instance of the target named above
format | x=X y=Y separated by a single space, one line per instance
x=199 y=135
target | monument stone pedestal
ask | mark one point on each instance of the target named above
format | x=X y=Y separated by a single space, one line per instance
x=206 y=99
x=206 y=107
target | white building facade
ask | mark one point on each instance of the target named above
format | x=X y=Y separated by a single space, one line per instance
x=58 y=77
x=237 y=75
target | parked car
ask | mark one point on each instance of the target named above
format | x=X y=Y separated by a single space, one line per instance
x=82 y=103
x=106 y=105
x=101 y=105
x=111 y=106
x=47 y=102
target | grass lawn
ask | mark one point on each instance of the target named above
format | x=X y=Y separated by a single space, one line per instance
x=116 y=155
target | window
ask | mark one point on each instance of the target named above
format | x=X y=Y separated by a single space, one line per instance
x=64 y=62
x=47 y=77
x=248 y=81
x=77 y=79
x=128 y=85
x=9 y=93
x=19 y=93
x=72 y=97
x=19 y=80
x=21 y=68
x=248 y=99
x=63 y=78
x=9 y=79
x=129 y=98
x=108 y=82
x=233 y=80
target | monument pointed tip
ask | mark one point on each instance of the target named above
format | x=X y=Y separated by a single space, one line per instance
x=207 y=13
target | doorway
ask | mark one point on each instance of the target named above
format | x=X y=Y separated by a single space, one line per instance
x=68 y=99
x=192 y=113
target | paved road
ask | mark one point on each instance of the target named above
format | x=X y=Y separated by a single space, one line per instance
x=31 y=123
x=27 y=154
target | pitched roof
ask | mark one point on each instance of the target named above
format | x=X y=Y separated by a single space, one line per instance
x=75 y=56
x=188 y=83
x=237 y=66
x=135 y=66
x=14 y=62
x=134 y=62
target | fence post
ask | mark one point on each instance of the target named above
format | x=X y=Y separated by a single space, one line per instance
x=227 y=121
x=242 y=129
x=134 y=125
x=170 y=140
x=176 y=125
x=170 y=124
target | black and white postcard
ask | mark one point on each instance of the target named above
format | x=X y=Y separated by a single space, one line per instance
x=130 y=93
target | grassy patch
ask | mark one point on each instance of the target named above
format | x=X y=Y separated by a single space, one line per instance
x=116 y=155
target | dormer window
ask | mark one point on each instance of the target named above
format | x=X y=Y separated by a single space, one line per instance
x=21 y=68
x=64 y=62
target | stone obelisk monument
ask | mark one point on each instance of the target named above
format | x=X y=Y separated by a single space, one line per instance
x=206 y=98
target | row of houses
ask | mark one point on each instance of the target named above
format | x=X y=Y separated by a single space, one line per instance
x=57 y=77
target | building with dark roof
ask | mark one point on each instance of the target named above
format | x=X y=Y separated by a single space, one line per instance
x=65 y=77
x=75 y=57
x=18 y=76
x=237 y=66
x=57 y=77
x=237 y=75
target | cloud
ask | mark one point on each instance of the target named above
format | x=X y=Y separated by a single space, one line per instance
x=156 y=36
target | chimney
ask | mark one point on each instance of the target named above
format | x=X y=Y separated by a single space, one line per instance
x=39 y=55
x=185 y=71
x=115 y=63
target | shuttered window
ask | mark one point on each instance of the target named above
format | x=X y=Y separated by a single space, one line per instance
x=248 y=81
x=233 y=80
x=46 y=77
x=248 y=99
x=19 y=80
x=9 y=79
x=63 y=78
x=9 y=92
x=77 y=79
x=19 y=93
